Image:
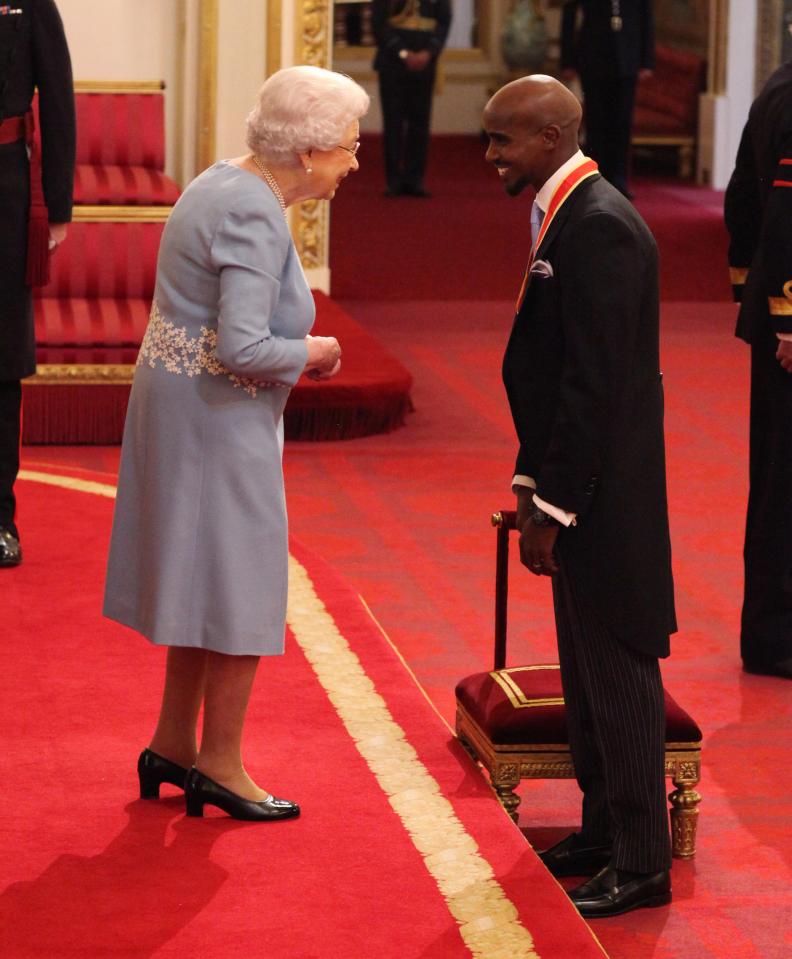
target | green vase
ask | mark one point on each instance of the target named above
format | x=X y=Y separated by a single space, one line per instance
x=524 y=38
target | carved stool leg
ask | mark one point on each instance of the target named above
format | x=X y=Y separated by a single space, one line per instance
x=504 y=778
x=684 y=817
x=508 y=799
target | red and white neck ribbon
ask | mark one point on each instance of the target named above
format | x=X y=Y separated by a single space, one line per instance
x=586 y=169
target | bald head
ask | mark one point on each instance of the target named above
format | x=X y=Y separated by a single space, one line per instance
x=538 y=101
x=533 y=126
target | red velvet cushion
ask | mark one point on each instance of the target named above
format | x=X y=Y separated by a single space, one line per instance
x=127 y=129
x=99 y=322
x=672 y=91
x=123 y=185
x=112 y=260
x=525 y=704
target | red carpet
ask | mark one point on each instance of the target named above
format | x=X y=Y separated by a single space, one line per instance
x=405 y=517
x=470 y=242
x=402 y=851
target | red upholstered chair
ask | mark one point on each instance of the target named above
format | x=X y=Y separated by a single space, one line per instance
x=99 y=294
x=666 y=105
x=121 y=146
x=513 y=722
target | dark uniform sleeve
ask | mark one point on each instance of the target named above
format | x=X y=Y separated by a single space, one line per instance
x=647 y=60
x=568 y=35
x=53 y=78
x=777 y=242
x=741 y=205
x=390 y=39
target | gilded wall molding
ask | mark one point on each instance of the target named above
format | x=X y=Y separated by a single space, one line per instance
x=769 y=39
x=209 y=19
x=313 y=46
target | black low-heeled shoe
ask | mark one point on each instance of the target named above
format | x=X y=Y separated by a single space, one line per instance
x=154 y=770
x=200 y=790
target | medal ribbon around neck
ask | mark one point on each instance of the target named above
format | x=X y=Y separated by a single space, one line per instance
x=587 y=168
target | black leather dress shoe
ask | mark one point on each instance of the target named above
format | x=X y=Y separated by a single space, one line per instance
x=571 y=857
x=200 y=790
x=10 y=550
x=610 y=893
x=154 y=770
x=783 y=668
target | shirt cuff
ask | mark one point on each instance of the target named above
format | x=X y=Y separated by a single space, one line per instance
x=564 y=518
x=519 y=480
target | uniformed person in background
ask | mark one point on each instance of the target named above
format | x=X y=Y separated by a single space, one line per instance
x=758 y=209
x=35 y=206
x=611 y=50
x=410 y=35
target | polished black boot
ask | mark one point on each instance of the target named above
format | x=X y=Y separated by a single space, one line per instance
x=154 y=770
x=200 y=790
x=10 y=550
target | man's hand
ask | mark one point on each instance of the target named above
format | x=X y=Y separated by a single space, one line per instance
x=784 y=354
x=418 y=60
x=536 y=542
x=536 y=548
x=57 y=234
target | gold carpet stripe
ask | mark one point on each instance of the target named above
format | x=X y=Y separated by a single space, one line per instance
x=70 y=482
x=488 y=921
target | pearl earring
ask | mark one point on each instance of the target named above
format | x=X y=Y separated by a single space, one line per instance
x=309 y=169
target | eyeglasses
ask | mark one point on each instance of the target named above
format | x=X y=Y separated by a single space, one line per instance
x=353 y=150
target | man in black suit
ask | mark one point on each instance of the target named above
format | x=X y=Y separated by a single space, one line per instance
x=581 y=374
x=35 y=205
x=758 y=209
x=611 y=51
x=410 y=35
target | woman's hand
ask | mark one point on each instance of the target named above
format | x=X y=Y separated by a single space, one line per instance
x=324 y=357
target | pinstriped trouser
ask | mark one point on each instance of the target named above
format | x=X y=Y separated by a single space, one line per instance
x=616 y=717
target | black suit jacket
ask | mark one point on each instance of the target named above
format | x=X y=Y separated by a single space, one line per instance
x=582 y=376
x=758 y=212
x=597 y=49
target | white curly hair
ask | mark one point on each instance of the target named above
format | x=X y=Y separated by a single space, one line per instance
x=303 y=108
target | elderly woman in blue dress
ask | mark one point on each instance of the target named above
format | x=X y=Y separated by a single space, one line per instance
x=198 y=557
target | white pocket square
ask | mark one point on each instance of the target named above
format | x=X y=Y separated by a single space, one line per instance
x=541 y=268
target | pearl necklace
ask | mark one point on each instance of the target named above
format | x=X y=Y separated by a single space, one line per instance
x=271 y=182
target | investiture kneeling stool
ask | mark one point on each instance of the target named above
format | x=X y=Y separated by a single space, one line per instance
x=513 y=721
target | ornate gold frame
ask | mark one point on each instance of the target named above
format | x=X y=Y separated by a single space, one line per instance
x=207 y=83
x=769 y=40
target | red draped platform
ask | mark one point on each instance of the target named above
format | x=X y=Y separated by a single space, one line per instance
x=88 y=341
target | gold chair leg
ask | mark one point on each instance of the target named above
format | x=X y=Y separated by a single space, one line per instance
x=684 y=818
x=685 y=161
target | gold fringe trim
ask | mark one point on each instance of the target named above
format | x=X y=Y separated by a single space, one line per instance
x=737 y=275
x=488 y=921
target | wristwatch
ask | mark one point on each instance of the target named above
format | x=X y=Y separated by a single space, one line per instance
x=540 y=518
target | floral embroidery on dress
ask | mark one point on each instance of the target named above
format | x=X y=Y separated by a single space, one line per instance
x=179 y=353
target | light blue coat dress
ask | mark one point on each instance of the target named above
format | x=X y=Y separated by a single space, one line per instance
x=199 y=553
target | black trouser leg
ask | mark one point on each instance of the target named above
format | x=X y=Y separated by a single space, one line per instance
x=10 y=424
x=394 y=117
x=609 y=103
x=419 y=89
x=616 y=718
x=766 y=635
